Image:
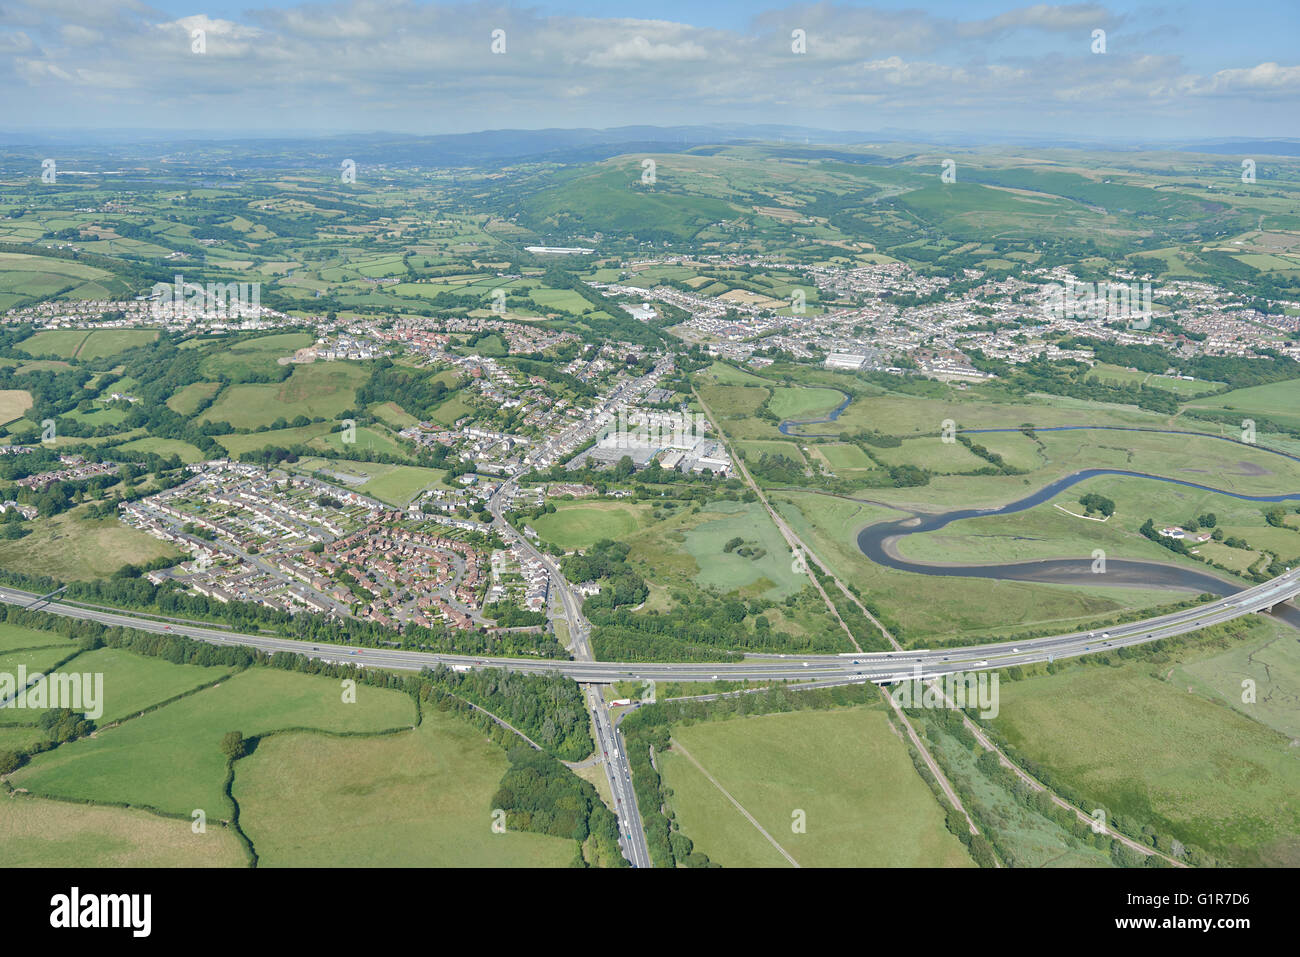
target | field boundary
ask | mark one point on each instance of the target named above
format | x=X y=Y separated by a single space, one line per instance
x=677 y=746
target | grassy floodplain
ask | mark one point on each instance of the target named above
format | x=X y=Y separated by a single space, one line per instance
x=1153 y=751
x=935 y=609
x=930 y=609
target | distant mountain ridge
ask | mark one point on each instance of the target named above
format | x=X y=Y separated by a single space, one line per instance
x=567 y=145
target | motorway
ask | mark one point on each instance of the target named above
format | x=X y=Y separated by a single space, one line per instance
x=861 y=666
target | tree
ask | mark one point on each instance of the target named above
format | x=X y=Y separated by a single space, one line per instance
x=232 y=745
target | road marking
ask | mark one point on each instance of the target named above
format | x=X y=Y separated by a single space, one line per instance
x=739 y=807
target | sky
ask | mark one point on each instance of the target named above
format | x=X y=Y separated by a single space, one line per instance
x=1124 y=70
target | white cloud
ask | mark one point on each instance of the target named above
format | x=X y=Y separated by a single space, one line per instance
x=428 y=67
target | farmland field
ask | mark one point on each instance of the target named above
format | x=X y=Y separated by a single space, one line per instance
x=814 y=761
x=170 y=759
x=13 y=403
x=86 y=344
x=418 y=798
x=37 y=832
x=133 y=682
x=319 y=389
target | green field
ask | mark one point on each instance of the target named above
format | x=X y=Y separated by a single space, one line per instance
x=26 y=278
x=63 y=343
x=34 y=660
x=367 y=440
x=13 y=403
x=865 y=805
x=35 y=832
x=393 y=414
x=1271 y=661
x=453 y=409
x=69 y=546
x=13 y=637
x=238 y=443
x=1144 y=749
x=1279 y=401
x=133 y=682
x=395 y=484
x=581 y=524
x=320 y=389
x=770 y=575
x=804 y=402
x=419 y=798
x=170 y=759
x=753 y=448
x=259 y=355
x=843 y=456
x=166 y=448
x=84 y=344
x=186 y=400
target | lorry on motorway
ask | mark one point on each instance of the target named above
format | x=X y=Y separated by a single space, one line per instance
x=461 y=668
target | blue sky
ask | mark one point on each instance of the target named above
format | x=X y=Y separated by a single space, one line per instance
x=1169 y=70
